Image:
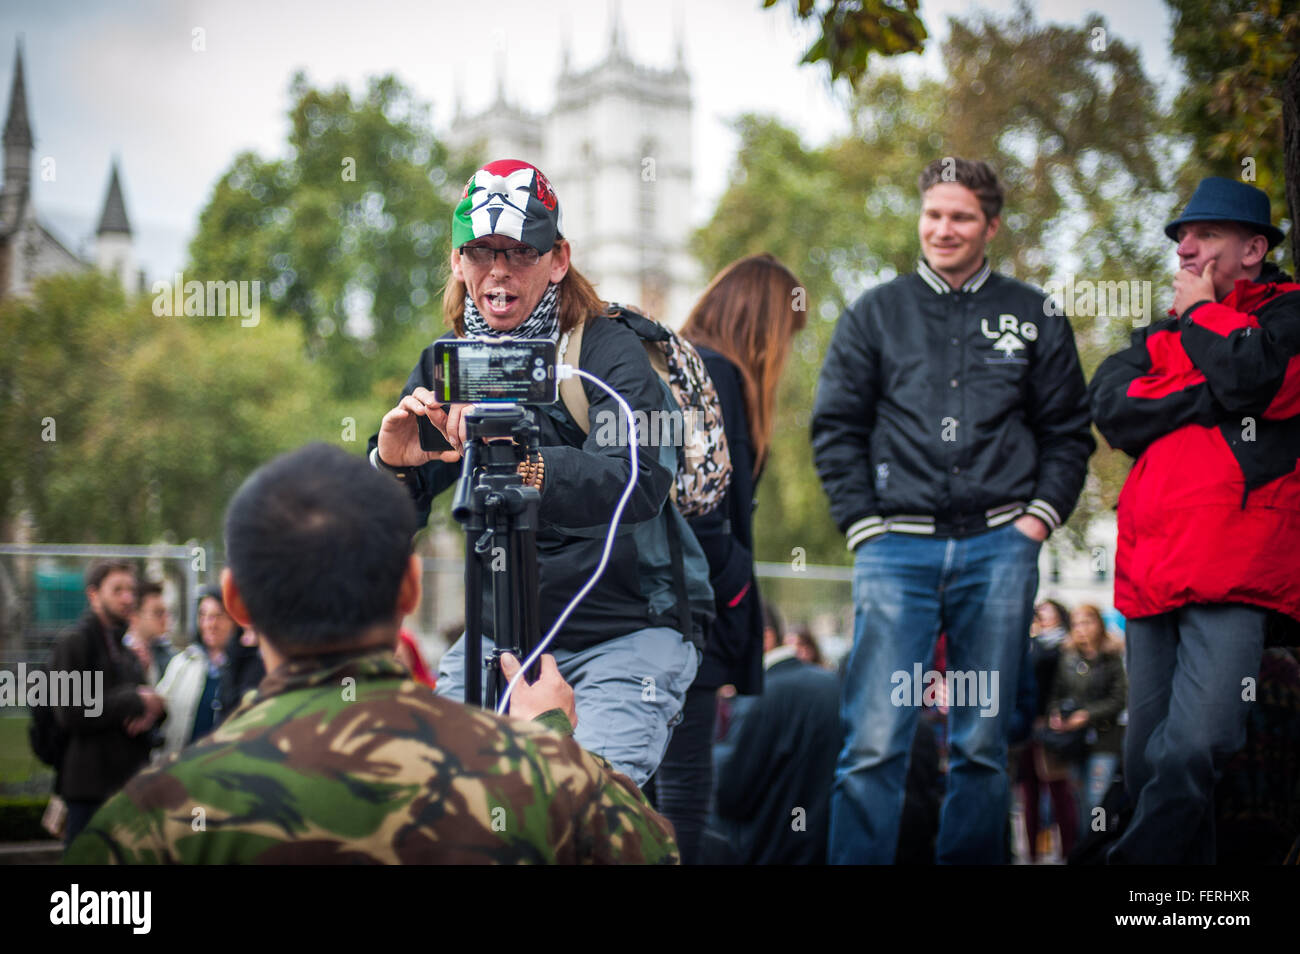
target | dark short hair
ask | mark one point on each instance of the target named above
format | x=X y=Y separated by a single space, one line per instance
x=100 y=569
x=147 y=589
x=317 y=541
x=974 y=174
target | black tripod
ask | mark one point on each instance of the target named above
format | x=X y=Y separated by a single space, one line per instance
x=499 y=514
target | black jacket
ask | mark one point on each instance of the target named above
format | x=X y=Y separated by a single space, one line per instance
x=734 y=652
x=948 y=412
x=783 y=746
x=241 y=673
x=100 y=756
x=585 y=477
x=1098 y=685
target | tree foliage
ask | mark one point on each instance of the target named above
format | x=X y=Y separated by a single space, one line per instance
x=348 y=234
x=850 y=31
x=156 y=421
x=1236 y=54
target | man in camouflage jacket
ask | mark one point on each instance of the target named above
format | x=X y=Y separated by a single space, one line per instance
x=341 y=757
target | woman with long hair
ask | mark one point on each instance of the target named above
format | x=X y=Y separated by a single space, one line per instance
x=512 y=275
x=742 y=327
x=1088 y=696
x=195 y=678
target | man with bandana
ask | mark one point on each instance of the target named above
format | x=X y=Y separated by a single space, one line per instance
x=622 y=648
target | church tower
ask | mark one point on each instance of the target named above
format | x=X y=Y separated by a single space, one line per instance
x=617 y=147
x=18 y=145
x=618 y=151
x=29 y=251
x=113 y=237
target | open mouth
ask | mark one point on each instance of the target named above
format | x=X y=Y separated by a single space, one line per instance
x=499 y=301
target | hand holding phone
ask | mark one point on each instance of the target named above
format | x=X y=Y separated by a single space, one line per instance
x=405 y=431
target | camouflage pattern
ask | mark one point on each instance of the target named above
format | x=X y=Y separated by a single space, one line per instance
x=302 y=774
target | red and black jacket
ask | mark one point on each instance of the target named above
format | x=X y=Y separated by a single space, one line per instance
x=1209 y=404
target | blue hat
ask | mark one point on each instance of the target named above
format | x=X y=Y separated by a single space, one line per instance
x=1226 y=200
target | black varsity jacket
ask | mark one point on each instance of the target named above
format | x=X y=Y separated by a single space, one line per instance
x=947 y=412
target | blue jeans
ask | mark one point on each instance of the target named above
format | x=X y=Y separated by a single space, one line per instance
x=1092 y=777
x=1186 y=717
x=628 y=691
x=906 y=589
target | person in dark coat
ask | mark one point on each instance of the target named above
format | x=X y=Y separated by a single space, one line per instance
x=742 y=327
x=107 y=735
x=774 y=780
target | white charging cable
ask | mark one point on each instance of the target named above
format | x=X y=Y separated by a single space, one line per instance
x=563 y=371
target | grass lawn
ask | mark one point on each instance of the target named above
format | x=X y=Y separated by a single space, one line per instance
x=17 y=764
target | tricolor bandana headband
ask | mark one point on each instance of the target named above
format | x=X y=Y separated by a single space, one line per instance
x=508 y=197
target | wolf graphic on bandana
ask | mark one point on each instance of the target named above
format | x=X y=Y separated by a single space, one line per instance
x=508 y=197
x=498 y=204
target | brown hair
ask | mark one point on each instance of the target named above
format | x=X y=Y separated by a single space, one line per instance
x=578 y=301
x=1105 y=644
x=804 y=639
x=748 y=315
x=974 y=174
x=100 y=570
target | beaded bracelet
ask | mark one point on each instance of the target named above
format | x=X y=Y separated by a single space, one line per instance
x=533 y=470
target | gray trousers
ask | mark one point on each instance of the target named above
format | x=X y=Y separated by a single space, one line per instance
x=629 y=693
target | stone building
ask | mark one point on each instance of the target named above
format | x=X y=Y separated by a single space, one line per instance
x=28 y=249
x=616 y=145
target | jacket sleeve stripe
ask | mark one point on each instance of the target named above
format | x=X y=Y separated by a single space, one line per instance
x=1045 y=512
x=864 y=530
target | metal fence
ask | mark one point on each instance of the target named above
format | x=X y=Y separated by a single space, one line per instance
x=819 y=597
x=42 y=590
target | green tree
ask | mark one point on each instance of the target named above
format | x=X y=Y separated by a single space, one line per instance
x=1236 y=55
x=850 y=31
x=347 y=234
x=127 y=427
x=58 y=355
x=1064 y=114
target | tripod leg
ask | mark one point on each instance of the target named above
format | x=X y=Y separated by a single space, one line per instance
x=473 y=621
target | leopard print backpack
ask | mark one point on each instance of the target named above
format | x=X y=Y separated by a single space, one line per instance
x=703 y=461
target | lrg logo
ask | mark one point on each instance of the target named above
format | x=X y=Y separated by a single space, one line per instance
x=1009 y=338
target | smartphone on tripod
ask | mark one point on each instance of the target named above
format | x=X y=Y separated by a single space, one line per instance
x=484 y=371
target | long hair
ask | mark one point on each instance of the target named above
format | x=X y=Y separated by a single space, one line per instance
x=749 y=315
x=578 y=301
x=1105 y=642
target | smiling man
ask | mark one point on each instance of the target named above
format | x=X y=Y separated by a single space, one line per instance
x=950 y=431
x=623 y=648
x=1208 y=401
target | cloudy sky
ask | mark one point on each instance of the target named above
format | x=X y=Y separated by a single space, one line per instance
x=123 y=79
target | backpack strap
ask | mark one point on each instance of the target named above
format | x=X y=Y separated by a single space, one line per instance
x=571 y=392
x=679 y=575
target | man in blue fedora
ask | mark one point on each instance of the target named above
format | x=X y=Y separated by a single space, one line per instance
x=1208 y=402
